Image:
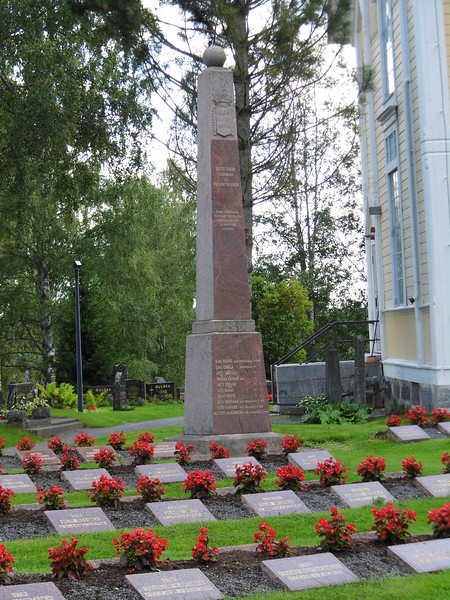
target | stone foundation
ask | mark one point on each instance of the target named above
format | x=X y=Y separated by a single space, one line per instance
x=400 y=395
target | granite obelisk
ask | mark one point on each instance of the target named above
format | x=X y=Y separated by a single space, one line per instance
x=225 y=391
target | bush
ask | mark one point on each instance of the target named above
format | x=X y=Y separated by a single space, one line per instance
x=218 y=451
x=257 y=448
x=290 y=444
x=2 y=444
x=393 y=420
x=372 y=468
x=31 y=463
x=140 y=549
x=69 y=460
x=391 y=525
x=83 y=440
x=146 y=437
x=439 y=415
x=63 y=396
x=248 y=478
x=53 y=499
x=319 y=410
x=107 y=491
x=183 y=454
x=56 y=445
x=142 y=453
x=104 y=457
x=117 y=440
x=331 y=472
x=336 y=533
x=97 y=400
x=445 y=460
x=25 y=444
x=6 y=563
x=267 y=545
x=202 y=551
x=416 y=416
x=150 y=489
x=290 y=478
x=201 y=484
x=67 y=561
x=5 y=500
x=440 y=517
x=411 y=468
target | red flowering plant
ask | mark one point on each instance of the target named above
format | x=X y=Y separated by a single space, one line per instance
x=417 y=416
x=183 y=454
x=68 y=561
x=439 y=415
x=257 y=448
x=201 y=484
x=107 y=491
x=53 y=499
x=391 y=525
x=56 y=445
x=140 y=549
x=117 y=440
x=440 y=517
x=290 y=444
x=104 y=457
x=5 y=500
x=142 y=453
x=411 y=468
x=248 y=478
x=445 y=460
x=6 y=563
x=25 y=444
x=336 y=532
x=146 y=437
x=2 y=444
x=393 y=420
x=267 y=546
x=69 y=460
x=31 y=463
x=202 y=551
x=331 y=472
x=82 y=440
x=218 y=451
x=372 y=468
x=150 y=489
x=290 y=478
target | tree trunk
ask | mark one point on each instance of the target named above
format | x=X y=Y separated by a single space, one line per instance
x=45 y=320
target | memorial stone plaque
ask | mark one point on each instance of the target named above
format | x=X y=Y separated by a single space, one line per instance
x=165 y=472
x=435 y=485
x=186 y=584
x=79 y=520
x=360 y=494
x=31 y=591
x=424 y=557
x=304 y=572
x=166 y=388
x=48 y=457
x=444 y=427
x=179 y=511
x=19 y=484
x=308 y=459
x=228 y=465
x=275 y=503
x=164 y=450
x=82 y=479
x=407 y=433
x=87 y=453
x=135 y=389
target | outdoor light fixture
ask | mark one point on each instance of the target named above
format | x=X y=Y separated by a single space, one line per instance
x=77 y=266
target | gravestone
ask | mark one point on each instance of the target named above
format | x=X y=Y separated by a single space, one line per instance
x=225 y=391
x=179 y=511
x=228 y=465
x=444 y=427
x=120 y=387
x=164 y=450
x=31 y=591
x=275 y=503
x=424 y=557
x=435 y=485
x=48 y=457
x=308 y=459
x=78 y=520
x=407 y=433
x=160 y=389
x=135 y=390
x=82 y=479
x=186 y=584
x=87 y=453
x=165 y=472
x=21 y=392
x=19 y=484
x=361 y=494
x=304 y=572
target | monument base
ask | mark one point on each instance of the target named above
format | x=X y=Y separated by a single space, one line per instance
x=225 y=390
x=236 y=443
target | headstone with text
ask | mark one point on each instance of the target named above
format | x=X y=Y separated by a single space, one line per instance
x=31 y=591
x=135 y=390
x=160 y=389
x=19 y=484
x=47 y=456
x=228 y=465
x=78 y=520
x=165 y=472
x=82 y=479
x=186 y=584
x=87 y=453
x=424 y=557
x=407 y=433
x=435 y=485
x=362 y=494
x=308 y=459
x=180 y=511
x=120 y=387
x=269 y=504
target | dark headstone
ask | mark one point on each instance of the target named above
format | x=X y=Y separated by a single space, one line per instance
x=51 y=375
x=78 y=520
x=31 y=591
x=135 y=390
x=21 y=392
x=157 y=390
x=120 y=387
x=180 y=511
x=17 y=417
x=186 y=584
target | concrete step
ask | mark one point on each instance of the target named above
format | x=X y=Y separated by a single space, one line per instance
x=52 y=427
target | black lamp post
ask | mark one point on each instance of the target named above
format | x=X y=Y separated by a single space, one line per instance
x=77 y=266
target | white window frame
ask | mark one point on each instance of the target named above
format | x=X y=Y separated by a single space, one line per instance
x=386 y=48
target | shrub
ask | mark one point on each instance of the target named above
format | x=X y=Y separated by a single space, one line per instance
x=218 y=451
x=183 y=454
x=117 y=440
x=336 y=533
x=146 y=437
x=439 y=415
x=150 y=489
x=25 y=444
x=257 y=448
x=6 y=563
x=107 y=491
x=440 y=517
x=202 y=551
x=391 y=525
x=248 y=478
x=2 y=444
x=31 y=463
x=393 y=420
x=69 y=460
x=372 y=468
x=290 y=444
x=267 y=545
x=142 y=453
x=445 y=460
x=5 y=500
x=411 y=468
x=104 y=457
x=68 y=561
x=82 y=440
x=94 y=401
x=290 y=478
x=201 y=484
x=331 y=472
x=140 y=549
x=416 y=416
x=56 y=445
x=53 y=499
x=319 y=410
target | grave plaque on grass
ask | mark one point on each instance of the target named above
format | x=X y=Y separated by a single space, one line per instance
x=48 y=457
x=424 y=557
x=360 y=494
x=164 y=450
x=308 y=459
x=435 y=485
x=31 y=591
x=444 y=427
x=228 y=465
x=186 y=584
x=87 y=453
x=165 y=472
x=19 y=484
x=79 y=520
x=82 y=479
x=304 y=572
x=275 y=503
x=407 y=433
x=179 y=511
